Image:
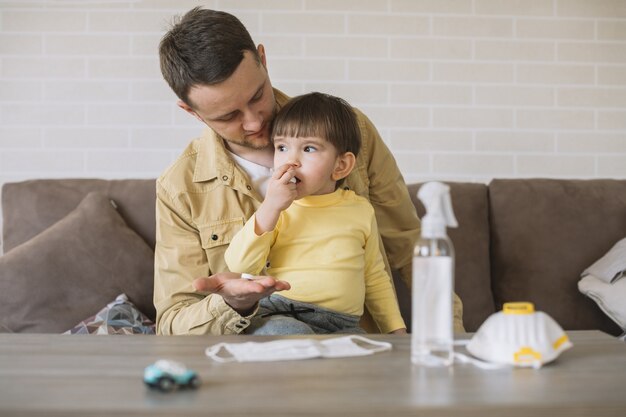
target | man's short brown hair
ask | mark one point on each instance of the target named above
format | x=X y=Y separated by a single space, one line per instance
x=203 y=47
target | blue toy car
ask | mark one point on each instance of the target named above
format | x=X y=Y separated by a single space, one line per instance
x=166 y=375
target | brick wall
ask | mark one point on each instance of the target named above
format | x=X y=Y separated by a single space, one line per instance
x=461 y=90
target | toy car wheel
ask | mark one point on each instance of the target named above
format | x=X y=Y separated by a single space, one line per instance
x=194 y=382
x=166 y=384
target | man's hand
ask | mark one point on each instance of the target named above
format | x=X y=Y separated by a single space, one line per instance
x=241 y=295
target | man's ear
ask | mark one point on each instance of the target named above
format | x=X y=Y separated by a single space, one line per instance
x=189 y=110
x=261 y=50
x=344 y=165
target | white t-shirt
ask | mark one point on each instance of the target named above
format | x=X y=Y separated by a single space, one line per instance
x=259 y=175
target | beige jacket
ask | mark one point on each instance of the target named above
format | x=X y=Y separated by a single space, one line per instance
x=204 y=199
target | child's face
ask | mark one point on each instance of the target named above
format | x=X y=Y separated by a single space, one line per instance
x=313 y=159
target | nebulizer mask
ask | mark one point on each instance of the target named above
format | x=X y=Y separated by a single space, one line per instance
x=518 y=336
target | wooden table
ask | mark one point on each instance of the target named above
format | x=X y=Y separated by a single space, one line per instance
x=55 y=375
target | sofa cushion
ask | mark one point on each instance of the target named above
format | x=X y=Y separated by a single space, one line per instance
x=30 y=207
x=544 y=233
x=72 y=269
x=471 y=247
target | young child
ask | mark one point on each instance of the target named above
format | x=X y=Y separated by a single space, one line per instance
x=308 y=231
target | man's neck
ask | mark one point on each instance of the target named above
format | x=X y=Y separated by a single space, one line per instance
x=263 y=157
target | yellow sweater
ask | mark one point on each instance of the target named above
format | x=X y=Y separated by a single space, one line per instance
x=327 y=248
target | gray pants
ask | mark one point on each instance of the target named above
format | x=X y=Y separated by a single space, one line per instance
x=281 y=316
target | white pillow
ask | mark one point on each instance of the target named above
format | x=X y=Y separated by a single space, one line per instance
x=611 y=298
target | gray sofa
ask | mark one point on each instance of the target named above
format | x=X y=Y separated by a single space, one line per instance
x=68 y=251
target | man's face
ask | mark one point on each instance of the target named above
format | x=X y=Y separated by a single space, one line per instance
x=241 y=108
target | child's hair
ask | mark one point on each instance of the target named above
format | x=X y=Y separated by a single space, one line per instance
x=320 y=115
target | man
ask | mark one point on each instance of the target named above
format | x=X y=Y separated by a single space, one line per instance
x=220 y=76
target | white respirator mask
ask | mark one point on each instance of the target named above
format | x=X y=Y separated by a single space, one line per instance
x=519 y=336
x=293 y=349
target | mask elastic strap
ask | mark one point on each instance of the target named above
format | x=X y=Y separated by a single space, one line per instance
x=377 y=345
x=488 y=366
x=213 y=353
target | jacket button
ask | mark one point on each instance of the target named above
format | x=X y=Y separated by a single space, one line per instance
x=214 y=237
x=346 y=188
x=225 y=177
x=248 y=187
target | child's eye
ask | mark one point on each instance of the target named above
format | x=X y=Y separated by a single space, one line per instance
x=281 y=148
x=309 y=149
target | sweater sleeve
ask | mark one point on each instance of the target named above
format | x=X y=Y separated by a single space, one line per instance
x=248 y=252
x=380 y=297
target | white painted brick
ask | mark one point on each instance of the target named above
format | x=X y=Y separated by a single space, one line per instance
x=380 y=24
x=258 y=5
x=592 y=142
x=555 y=74
x=356 y=94
x=130 y=21
x=128 y=114
x=145 y=44
x=514 y=7
x=178 y=6
x=473 y=27
x=314 y=23
x=591 y=97
x=555 y=165
x=124 y=68
x=44 y=161
x=612 y=30
x=85 y=137
x=84 y=91
x=613 y=75
x=138 y=161
x=20 y=44
x=383 y=70
x=279 y=46
x=508 y=95
x=432 y=6
x=416 y=48
x=308 y=69
x=493 y=118
x=590 y=9
x=175 y=138
x=183 y=119
x=44 y=21
x=39 y=114
x=414 y=163
x=555 y=119
x=43 y=67
x=151 y=91
x=470 y=72
x=12 y=90
x=555 y=29
x=496 y=165
x=398 y=117
x=345 y=5
x=514 y=142
x=592 y=52
x=429 y=94
x=346 y=47
x=515 y=50
x=612 y=166
x=19 y=137
x=431 y=140
x=87 y=44
x=612 y=120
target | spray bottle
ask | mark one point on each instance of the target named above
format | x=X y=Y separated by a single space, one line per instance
x=433 y=280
